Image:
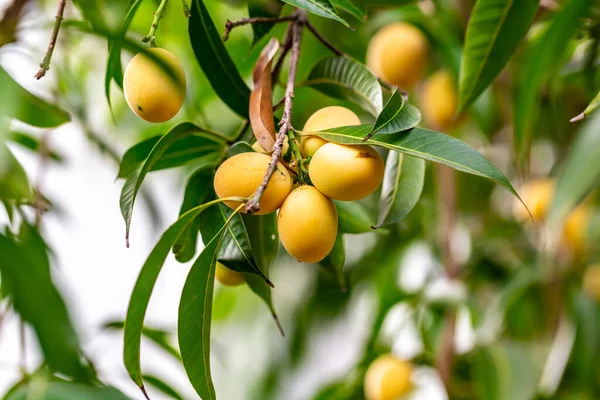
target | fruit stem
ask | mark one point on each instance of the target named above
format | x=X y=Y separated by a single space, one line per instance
x=45 y=64
x=186 y=9
x=151 y=36
x=285 y=125
x=229 y=25
x=298 y=155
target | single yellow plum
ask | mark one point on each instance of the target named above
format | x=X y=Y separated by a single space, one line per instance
x=321 y=120
x=388 y=378
x=228 y=277
x=439 y=101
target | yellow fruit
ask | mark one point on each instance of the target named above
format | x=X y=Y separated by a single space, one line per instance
x=591 y=281
x=151 y=92
x=307 y=224
x=321 y=120
x=241 y=175
x=538 y=197
x=346 y=172
x=387 y=378
x=397 y=54
x=439 y=101
x=259 y=149
x=575 y=228
x=228 y=277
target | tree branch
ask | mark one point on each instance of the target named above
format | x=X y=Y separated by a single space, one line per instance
x=285 y=49
x=285 y=124
x=324 y=41
x=229 y=25
x=45 y=64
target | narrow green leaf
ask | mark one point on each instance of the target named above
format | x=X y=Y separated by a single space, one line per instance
x=261 y=9
x=38 y=389
x=392 y=108
x=505 y=372
x=495 y=30
x=542 y=58
x=395 y=117
x=14 y=184
x=92 y=12
x=32 y=143
x=334 y=262
x=26 y=274
x=135 y=179
x=595 y=103
x=113 y=65
x=347 y=79
x=425 y=144
x=18 y=103
x=579 y=173
x=197 y=149
x=140 y=297
x=401 y=189
x=163 y=387
x=350 y=7
x=352 y=217
x=198 y=190
x=159 y=337
x=215 y=61
x=239 y=148
x=264 y=240
x=195 y=311
x=322 y=8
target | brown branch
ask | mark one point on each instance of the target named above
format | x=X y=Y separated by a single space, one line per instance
x=324 y=41
x=229 y=25
x=445 y=353
x=285 y=124
x=286 y=46
x=45 y=64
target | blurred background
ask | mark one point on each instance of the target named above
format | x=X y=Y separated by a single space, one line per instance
x=522 y=322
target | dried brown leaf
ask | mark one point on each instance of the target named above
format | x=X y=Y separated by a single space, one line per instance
x=261 y=98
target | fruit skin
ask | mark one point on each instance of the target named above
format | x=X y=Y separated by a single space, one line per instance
x=150 y=92
x=307 y=224
x=575 y=228
x=439 y=101
x=346 y=172
x=591 y=281
x=228 y=277
x=323 y=119
x=241 y=175
x=259 y=149
x=387 y=378
x=397 y=53
x=538 y=196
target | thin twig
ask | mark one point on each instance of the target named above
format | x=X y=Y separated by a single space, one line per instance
x=285 y=124
x=229 y=25
x=186 y=9
x=325 y=42
x=445 y=354
x=45 y=64
x=151 y=36
x=286 y=46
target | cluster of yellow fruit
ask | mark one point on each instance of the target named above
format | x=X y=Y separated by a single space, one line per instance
x=397 y=54
x=538 y=195
x=388 y=378
x=154 y=85
x=307 y=221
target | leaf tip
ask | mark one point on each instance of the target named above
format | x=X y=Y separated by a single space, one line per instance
x=578 y=117
x=143 y=389
x=278 y=323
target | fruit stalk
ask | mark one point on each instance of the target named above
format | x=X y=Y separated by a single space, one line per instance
x=45 y=64
x=151 y=36
x=229 y=25
x=285 y=124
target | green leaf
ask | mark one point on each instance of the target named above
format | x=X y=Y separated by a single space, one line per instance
x=595 y=103
x=396 y=116
x=352 y=217
x=18 y=103
x=264 y=240
x=197 y=191
x=135 y=179
x=32 y=143
x=239 y=148
x=198 y=149
x=350 y=7
x=322 y=8
x=140 y=297
x=157 y=336
x=163 y=387
x=543 y=56
x=92 y=12
x=425 y=144
x=26 y=274
x=392 y=108
x=347 y=79
x=261 y=9
x=505 y=372
x=235 y=252
x=113 y=65
x=495 y=30
x=215 y=61
x=401 y=189
x=335 y=260
x=580 y=171
x=193 y=326
x=44 y=390
x=14 y=184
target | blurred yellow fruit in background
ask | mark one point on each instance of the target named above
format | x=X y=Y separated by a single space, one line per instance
x=439 y=101
x=537 y=195
x=387 y=378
